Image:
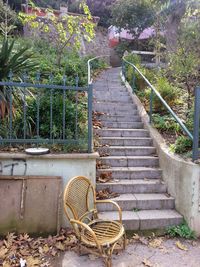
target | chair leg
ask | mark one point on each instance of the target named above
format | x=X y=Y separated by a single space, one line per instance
x=79 y=248
x=124 y=241
x=108 y=258
x=108 y=262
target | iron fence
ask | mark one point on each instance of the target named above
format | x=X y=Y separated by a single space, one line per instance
x=38 y=113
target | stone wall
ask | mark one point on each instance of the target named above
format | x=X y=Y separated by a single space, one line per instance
x=182 y=177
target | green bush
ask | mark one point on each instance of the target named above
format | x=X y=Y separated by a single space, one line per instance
x=139 y=81
x=166 y=124
x=181 y=230
x=44 y=113
x=182 y=145
x=169 y=93
x=72 y=65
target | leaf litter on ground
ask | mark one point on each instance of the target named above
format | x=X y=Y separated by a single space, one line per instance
x=37 y=251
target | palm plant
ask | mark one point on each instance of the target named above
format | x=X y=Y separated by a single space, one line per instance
x=15 y=60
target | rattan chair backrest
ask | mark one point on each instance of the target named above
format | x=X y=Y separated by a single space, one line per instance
x=78 y=197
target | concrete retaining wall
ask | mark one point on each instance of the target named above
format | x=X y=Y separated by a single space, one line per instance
x=182 y=177
x=31 y=189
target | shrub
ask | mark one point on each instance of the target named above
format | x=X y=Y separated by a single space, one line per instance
x=168 y=92
x=166 y=123
x=139 y=81
x=181 y=230
x=182 y=145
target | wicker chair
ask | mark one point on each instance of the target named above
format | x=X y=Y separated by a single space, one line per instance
x=95 y=236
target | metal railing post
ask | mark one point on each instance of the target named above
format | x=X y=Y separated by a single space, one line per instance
x=123 y=68
x=151 y=106
x=133 y=81
x=195 y=147
x=90 y=127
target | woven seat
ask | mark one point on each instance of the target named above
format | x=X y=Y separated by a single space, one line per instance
x=106 y=232
x=94 y=235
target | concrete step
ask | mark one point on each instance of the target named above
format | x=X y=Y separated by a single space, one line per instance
x=122 y=132
x=103 y=104
x=115 y=110
x=130 y=161
x=127 y=125
x=103 y=98
x=110 y=103
x=131 y=173
x=134 y=186
x=127 y=150
x=145 y=219
x=127 y=118
x=111 y=95
x=136 y=202
x=126 y=141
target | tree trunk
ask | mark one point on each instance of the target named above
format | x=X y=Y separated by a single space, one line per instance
x=177 y=10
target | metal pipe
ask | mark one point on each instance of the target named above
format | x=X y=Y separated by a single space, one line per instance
x=89 y=67
x=184 y=128
x=195 y=148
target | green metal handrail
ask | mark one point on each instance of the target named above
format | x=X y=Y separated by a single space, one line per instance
x=89 y=67
x=153 y=90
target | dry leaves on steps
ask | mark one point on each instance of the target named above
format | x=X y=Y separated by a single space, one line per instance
x=106 y=194
x=100 y=165
x=105 y=177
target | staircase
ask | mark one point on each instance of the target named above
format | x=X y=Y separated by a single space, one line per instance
x=128 y=151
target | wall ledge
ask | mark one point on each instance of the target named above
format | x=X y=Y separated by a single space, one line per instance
x=79 y=156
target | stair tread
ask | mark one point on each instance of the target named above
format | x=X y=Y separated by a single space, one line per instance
x=129 y=169
x=123 y=129
x=142 y=214
x=131 y=182
x=132 y=147
x=129 y=157
x=124 y=138
x=142 y=197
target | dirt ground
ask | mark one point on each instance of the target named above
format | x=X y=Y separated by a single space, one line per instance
x=156 y=252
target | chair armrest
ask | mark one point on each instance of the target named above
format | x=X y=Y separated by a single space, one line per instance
x=85 y=226
x=113 y=203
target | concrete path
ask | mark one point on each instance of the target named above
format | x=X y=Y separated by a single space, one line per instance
x=141 y=255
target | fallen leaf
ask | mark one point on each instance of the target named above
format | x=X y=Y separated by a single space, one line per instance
x=3 y=252
x=46 y=248
x=136 y=237
x=32 y=262
x=53 y=252
x=60 y=246
x=106 y=194
x=147 y=263
x=155 y=243
x=181 y=246
x=6 y=264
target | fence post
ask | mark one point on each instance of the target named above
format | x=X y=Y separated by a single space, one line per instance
x=90 y=127
x=151 y=106
x=195 y=147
